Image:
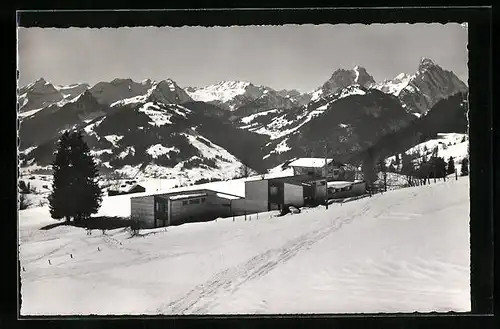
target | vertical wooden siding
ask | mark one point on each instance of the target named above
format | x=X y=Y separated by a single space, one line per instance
x=142 y=209
x=293 y=195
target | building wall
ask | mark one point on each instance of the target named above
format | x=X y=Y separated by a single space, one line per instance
x=220 y=207
x=276 y=192
x=161 y=206
x=246 y=206
x=142 y=209
x=355 y=190
x=257 y=190
x=359 y=188
x=293 y=195
x=320 y=190
x=188 y=210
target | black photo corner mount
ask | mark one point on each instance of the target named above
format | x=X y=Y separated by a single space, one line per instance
x=483 y=151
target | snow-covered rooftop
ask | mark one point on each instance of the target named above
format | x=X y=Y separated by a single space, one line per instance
x=339 y=184
x=227 y=196
x=310 y=162
x=187 y=196
x=126 y=188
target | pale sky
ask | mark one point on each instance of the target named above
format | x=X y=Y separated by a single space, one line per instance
x=298 y=57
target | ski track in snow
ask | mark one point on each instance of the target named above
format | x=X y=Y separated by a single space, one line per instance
x=201 y=298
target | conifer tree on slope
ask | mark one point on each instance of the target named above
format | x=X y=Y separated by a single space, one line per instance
x=451 y=166
x=58 y=199
x=76 y=193
x=465 y=167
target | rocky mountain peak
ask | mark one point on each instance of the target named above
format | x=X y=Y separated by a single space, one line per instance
x=168 y=92
x=87 y=96
x=362 y=77
x=425 y=63
x=342 y=78
x=40 y=86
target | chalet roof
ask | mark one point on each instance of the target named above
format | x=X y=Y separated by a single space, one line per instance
x=310 y=162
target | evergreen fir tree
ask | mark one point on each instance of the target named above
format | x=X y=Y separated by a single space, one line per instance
x=58 y=199
x=435 y=152
x=76 y=193
x=451 y=166
x=465 y=167
x=407 y=168
x=439 y=167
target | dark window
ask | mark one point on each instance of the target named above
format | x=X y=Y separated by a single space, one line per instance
x=202 y=199
x=194 y=201
x=184 y=203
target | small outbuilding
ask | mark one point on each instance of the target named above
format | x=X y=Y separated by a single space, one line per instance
x=181 y=207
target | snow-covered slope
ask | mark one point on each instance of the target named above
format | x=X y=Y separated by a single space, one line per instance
x=222 y=91
x=151 y=139
x=364 y=256
x=349 y=119
x=277 y=123
x=447 y=145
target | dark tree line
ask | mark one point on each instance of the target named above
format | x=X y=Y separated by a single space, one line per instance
x=418 y=168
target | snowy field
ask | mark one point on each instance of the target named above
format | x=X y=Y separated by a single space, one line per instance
x=404 y=251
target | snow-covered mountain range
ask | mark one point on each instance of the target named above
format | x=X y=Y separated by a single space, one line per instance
x=41 y=93
x=161 y=129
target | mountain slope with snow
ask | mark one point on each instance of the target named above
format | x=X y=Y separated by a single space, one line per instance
x=41 y=93
x=342 y=78
x=349 y=120
x=419 y=92
x=241 y=95
x=364 y=256
x=446 y=116
x=444 y=145
x=126 y=91
x=153 y=139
